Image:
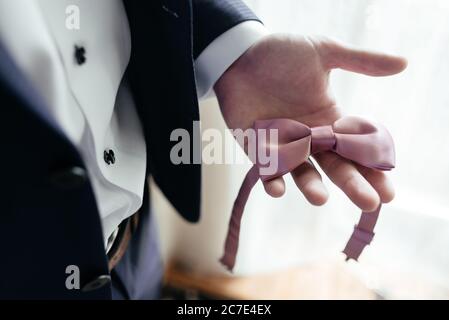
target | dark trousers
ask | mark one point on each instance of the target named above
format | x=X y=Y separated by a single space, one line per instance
x=138 y=276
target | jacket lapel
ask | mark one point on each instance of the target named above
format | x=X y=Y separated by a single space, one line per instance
x=162 y=77
x=14 y=82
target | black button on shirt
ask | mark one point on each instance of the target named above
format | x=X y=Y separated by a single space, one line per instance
x=80 y=55
x=109 y=156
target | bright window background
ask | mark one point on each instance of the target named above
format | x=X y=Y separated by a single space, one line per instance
x=409 y=257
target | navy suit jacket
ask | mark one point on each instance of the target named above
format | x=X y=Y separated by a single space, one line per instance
x=49 y=218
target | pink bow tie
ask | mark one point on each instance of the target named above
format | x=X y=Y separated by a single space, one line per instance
x=355 y=139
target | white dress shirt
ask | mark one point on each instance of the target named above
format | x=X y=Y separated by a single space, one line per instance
x=90 y=101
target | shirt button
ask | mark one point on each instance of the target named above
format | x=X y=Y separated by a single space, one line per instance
x=69 y=178
x=109 y=156
x=97 y=283
x=80 y=55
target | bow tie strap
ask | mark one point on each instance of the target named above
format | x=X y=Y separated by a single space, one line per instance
x=232 y=238
x=361 y=237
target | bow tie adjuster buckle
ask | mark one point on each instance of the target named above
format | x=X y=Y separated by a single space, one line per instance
x=359 y=240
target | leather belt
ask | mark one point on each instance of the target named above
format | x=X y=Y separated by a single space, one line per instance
x=121 y=242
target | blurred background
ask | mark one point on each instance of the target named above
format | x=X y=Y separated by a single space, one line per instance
x=409 y=257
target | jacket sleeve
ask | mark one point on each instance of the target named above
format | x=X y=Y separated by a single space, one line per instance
x=211 y=18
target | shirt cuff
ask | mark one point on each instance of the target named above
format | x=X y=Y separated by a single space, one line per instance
x=223 y=52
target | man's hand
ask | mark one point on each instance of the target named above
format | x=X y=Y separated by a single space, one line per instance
x=288 y=77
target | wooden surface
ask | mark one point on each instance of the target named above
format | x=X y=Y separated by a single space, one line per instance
x=323 y=281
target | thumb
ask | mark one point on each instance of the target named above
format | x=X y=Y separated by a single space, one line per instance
x=363 y=61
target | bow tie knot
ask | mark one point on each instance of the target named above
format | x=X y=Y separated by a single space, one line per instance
x=323 y=139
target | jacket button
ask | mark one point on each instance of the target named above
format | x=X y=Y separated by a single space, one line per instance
x=97 y=283
x=69 y=178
